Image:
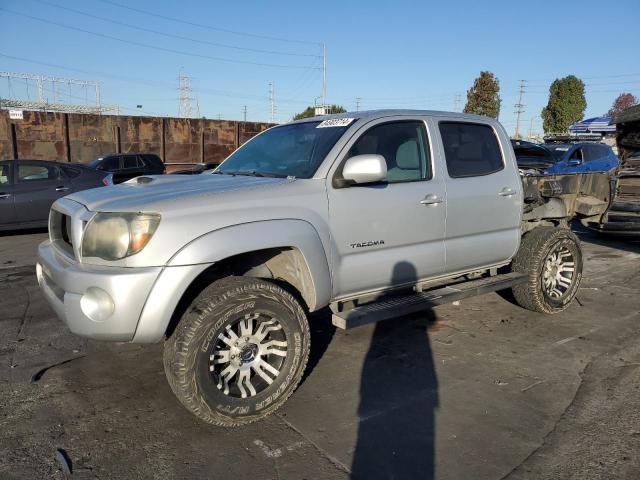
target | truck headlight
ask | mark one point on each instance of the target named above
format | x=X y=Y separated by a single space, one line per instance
x=113 y=236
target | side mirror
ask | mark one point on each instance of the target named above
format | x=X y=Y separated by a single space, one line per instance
x=574 y=162
x=364 y=169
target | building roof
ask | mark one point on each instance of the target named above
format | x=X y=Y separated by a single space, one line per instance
x=594 y=125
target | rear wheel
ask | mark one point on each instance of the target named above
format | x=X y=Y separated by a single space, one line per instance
x=238 y=352
x=552 y=259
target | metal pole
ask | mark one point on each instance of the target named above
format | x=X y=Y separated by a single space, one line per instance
x=324 y=75
x=519 y=110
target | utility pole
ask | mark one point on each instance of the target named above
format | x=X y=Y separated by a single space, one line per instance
x=519 y=108
x=324 y=75
x=531 y=128
x=456 y=103
x=272 y=100
x=197 y=106
x=244 y=111
x=358 y=99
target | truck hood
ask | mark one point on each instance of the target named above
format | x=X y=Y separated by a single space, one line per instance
x=160 y=192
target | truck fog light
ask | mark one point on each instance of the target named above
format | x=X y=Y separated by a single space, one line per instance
x=97 y=304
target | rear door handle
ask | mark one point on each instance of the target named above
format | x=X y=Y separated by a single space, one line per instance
x=431 y=199
x=507 y=192
x=62 y=189
x=4 y=195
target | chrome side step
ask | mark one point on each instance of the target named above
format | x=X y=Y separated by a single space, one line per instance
x=397 y=306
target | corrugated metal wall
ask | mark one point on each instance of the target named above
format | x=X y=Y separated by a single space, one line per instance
x=71 y=137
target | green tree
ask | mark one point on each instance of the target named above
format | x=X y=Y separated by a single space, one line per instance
x=483 y=98
x=624 y=101
x=311 y=111
x=566 y=104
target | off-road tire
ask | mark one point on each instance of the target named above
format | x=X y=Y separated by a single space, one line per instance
x=535 y=249
x=186 y=352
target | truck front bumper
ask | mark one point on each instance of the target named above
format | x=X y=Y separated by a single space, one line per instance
x=104 y=303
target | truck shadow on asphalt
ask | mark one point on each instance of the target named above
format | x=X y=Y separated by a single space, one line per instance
x=398 y=393
x=398 y=400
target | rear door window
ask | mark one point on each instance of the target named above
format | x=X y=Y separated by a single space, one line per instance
x=29 y=172
x=152 y=161
x=595 y=152
x=130 y=161
x=470 y=149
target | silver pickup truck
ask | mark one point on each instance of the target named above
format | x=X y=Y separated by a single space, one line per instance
x=373 y=214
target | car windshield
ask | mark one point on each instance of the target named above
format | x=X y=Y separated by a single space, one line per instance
x=95 y=163
x=558 y=151
x=531 y=154
x=294 y=150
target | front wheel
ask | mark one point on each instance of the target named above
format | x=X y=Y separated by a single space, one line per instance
x=552 y=259
x=238 y=352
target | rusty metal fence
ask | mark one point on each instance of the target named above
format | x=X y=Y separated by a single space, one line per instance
x=72 y=137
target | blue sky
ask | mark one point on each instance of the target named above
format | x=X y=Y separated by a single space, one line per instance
x=408 y=54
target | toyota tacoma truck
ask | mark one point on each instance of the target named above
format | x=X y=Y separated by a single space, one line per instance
x=372 y=214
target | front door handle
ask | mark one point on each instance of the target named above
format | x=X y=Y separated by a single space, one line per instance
x=62 y=189
x=431 y=199
x=507 y=192
x=4 y=195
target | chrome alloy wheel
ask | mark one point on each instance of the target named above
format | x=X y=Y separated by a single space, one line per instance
x=248 y=355
x=559 y=272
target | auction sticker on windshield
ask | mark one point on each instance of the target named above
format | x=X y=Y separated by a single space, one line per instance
x=335 y=122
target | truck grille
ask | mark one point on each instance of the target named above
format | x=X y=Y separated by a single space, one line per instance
x=60 y=231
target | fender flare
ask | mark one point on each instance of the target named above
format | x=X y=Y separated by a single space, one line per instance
x=296 y=234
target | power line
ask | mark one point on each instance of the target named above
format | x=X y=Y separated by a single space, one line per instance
x=179 y=37
x=155 y=83
x=208 y=27
x=154 y=47
x=135 y=80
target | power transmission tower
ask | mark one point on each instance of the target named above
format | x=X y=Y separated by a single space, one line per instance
x=519 y=108
x=184 y=89
x=456 y=103
x=272 y=101
x=42 y=103
x=244 y=111
x=358 y=100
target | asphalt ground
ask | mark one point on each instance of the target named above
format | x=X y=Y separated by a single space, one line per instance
x=481 y=389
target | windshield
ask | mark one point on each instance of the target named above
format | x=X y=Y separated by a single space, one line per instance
x=532 y=155
x=558 y=151
x=295 y=150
